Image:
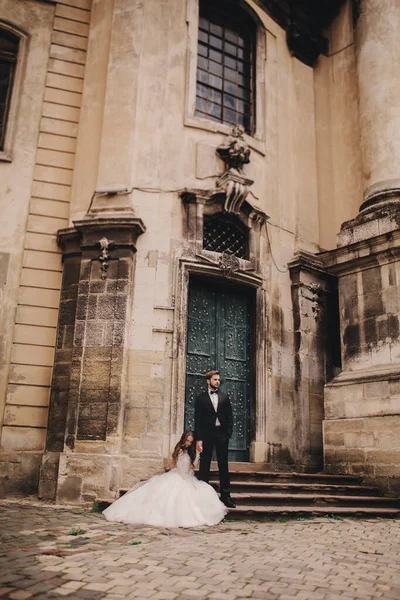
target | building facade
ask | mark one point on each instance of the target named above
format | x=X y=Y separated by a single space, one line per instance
x=188 y=184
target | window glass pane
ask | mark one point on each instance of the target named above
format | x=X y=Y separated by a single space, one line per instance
x=201 y=90
x=203 y=36
x=217 y=56
x=241 y=106
x=202 y=76
x=201 y=104
x=229 y=101
x=204 y=23
x=243 y=93
x=229 y=115
x=8 y=44
x=231 y=88
x=214 y=109
x=202 y=63
x=216 y=82
x=215 y=68
x=215 y=42
x=8 y=57
x=230 y=62
x=230 y=48
x=202 y=50
x=230 y=74
x=244 y=68
x=214 y=96
x=216 y=29
x=243 y=80
x=231 y=36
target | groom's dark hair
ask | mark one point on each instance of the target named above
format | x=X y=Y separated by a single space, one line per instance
x=210 y=374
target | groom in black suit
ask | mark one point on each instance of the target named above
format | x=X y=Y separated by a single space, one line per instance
x=213 y=428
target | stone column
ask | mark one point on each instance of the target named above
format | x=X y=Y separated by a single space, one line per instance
x=378 y=61
x=87 y=398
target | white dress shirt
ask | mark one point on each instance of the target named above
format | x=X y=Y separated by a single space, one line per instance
x=214 y=400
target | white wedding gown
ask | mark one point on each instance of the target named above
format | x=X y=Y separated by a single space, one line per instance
x=173 y=499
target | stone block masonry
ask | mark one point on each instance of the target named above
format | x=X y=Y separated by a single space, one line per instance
x=87 y=389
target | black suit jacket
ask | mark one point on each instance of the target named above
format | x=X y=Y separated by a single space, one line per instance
x=205 y=415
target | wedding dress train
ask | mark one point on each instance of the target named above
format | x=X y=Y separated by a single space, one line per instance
x=173 y=499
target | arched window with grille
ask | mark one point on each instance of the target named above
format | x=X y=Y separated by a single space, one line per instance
x=225 y=90
x=9 y=44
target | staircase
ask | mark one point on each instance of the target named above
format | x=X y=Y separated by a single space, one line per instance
x=263 y=495
x=260 y=494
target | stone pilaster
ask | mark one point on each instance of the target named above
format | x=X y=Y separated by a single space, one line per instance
x=315 y=353
x=87 y=390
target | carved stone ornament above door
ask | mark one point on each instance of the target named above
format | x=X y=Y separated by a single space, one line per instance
x=227 y=202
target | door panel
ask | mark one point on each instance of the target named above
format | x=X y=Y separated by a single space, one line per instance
x=219 y=336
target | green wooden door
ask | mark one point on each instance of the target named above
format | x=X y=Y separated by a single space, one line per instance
x=219 y=336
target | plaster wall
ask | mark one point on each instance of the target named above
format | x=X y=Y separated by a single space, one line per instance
x=338 y=135
x=139 y=131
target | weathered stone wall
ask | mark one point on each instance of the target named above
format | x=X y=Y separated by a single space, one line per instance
x=362 y=404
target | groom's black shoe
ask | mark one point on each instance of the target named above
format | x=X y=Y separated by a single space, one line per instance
x=227 y=500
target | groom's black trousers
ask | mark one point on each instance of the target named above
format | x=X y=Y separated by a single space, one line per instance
x=218 y=440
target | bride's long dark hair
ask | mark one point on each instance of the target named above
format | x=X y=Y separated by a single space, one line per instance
x=191 y=450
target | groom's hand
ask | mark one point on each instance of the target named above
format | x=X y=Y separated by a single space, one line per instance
x=199 y=446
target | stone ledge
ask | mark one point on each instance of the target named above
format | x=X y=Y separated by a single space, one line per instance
x=380 y=373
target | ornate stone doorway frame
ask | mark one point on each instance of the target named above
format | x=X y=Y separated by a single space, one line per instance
x=191 y=259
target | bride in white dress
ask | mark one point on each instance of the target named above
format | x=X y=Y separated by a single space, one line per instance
x=173 y=499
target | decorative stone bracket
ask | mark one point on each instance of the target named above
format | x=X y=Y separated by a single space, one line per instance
x=105 y=245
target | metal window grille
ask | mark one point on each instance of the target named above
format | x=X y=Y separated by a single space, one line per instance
x=225 y=66
x=221 y=235
x=8 y=58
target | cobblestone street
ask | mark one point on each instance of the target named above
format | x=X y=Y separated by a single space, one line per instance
x=54 y=552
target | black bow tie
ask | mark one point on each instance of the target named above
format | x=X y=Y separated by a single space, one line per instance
x=213 y=391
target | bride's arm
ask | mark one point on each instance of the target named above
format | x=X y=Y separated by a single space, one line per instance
x=197 y=460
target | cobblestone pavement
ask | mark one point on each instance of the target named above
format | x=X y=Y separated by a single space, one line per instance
x=54 y=552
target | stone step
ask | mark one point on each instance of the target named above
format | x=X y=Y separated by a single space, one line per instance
x=306 y=478
x=310 y=499
x=268 y=512
x=299 y=488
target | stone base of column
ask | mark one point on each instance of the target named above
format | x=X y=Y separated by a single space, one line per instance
x=362 y=426
x=362 y=405
x=374 y=220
